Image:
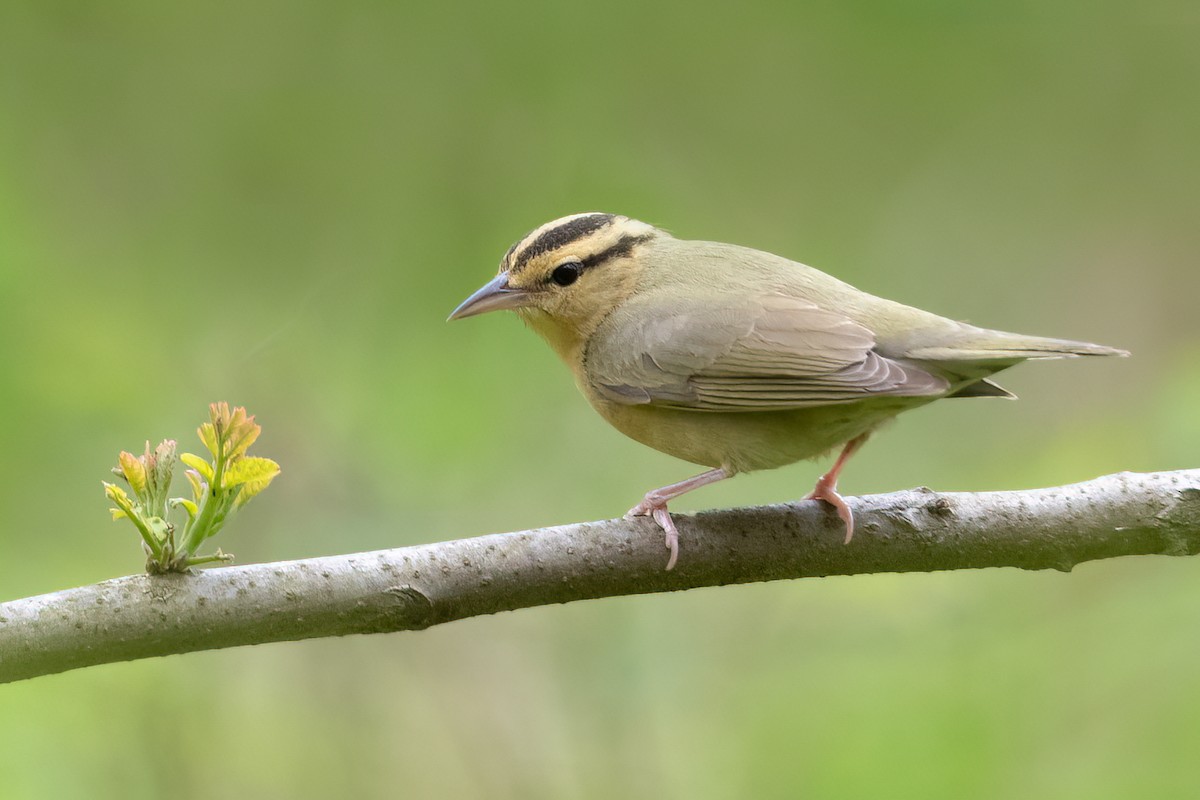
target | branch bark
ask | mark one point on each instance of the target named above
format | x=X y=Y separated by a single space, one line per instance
x=412 y=588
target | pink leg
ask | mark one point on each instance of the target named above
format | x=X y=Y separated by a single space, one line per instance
x=826 y=488
x=655 y=505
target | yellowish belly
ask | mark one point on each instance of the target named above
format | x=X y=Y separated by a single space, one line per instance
x=750 y=440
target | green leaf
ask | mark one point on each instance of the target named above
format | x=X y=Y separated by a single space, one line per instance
x=197 y=484
x=117 y=495
x=241 y=437
x=162 y=464
x=208 y=435
x=199 y=464
x=187 y=505
x=125 y=506
x=160 y=529
x=135 y=472
x=246 y=470
x=253 y=475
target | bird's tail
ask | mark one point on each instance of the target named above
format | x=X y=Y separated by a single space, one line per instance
x=979 y=344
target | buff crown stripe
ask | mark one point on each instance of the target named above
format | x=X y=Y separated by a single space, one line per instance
x=561 y=235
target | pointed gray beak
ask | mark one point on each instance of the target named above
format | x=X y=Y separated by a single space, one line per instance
x=492 y=296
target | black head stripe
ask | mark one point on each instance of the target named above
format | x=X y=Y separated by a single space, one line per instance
x=623 y=247
x=562 y=235
x=504 y=262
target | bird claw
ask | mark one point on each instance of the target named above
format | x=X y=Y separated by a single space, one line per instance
x=658 y=512
x=663 y=518
x=654 y=505
x=827 y=491
x=640 y=510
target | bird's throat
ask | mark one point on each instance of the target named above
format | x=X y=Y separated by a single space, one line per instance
x=565 y=341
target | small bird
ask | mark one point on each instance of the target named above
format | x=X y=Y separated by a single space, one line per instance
x=734 y=358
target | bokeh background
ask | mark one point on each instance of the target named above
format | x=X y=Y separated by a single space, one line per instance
x=278 y=203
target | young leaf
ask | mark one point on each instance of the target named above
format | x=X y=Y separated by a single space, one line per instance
x=161 y=464
x=219 y=412
x=242 y=436
x=220 y=416
x=251 y=470
x=208 y=435
x=199 y=464
x=125 y=506
x=117 y=495
x=227 y=436
x=134 y=470
x=185 y=504
x=198 y=485
x=160 y=529
x=253 y=475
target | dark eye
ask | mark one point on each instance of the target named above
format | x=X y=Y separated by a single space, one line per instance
x=566 y=274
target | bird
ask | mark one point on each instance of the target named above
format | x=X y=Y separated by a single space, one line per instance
x=733 y=358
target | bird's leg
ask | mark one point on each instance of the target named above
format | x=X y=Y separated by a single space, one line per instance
x=654 y=505
x=826 y=488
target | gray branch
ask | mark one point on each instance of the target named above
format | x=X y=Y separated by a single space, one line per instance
x=412 y=588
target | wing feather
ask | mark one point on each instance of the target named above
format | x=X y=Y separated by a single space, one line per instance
x=771 y=352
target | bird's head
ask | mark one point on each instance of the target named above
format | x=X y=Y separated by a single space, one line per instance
x=566 y=276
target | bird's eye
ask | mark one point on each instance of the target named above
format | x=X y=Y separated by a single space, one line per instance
x=566 y=274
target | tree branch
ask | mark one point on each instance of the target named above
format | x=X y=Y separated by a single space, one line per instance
x=412 y=588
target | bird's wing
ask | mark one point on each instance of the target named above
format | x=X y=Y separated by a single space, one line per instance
x=770 y=352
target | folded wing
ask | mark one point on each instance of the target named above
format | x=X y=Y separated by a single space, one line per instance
x=767 y=353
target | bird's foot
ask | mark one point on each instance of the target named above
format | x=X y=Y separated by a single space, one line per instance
x=654 y=505
x=656 y=509
x=826 y=489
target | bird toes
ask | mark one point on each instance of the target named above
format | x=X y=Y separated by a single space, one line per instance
x=658 y=512
x=827 y=492
x=663 y=518
x=640 y=510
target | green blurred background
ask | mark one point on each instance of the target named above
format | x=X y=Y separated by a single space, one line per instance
x=278 y=203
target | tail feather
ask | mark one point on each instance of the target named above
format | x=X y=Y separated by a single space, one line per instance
x=983 y=388
x=983 y=345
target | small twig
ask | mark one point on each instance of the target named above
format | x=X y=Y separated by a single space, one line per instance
x=412 y=588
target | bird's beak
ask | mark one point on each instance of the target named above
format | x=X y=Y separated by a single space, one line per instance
x=492 y=296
